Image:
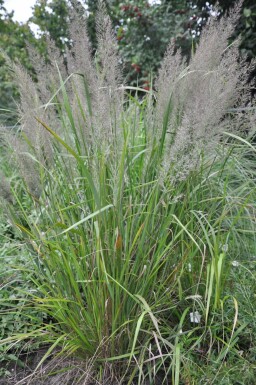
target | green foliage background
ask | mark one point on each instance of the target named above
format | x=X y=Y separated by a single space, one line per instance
x=13 y=37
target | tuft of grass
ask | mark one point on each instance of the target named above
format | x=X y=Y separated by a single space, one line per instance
x=133 y=211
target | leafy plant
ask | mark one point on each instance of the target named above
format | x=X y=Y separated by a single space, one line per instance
x=18 y=314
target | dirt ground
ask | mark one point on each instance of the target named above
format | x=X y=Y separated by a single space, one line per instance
x=54 y=371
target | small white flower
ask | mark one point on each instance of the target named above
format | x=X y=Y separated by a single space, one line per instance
x=195 y=297
x=195 y=317
x=235 y=263
x=225 y=247
x=189 y=267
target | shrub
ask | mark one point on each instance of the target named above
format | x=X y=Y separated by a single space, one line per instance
x=135 y=208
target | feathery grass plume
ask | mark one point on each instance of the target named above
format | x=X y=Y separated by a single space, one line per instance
x=110 y=92
x=169 y=76
x=110 y=73
x=46 y=70
x=79 y=57
x=35 y=140
x=98 y=89
x=84 y=78
x=212 y=83
x=31 y=140
x=107 y=50
x=42 y=73
x=98 y=98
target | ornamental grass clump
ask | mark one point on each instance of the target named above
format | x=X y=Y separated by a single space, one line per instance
x=132 y=208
